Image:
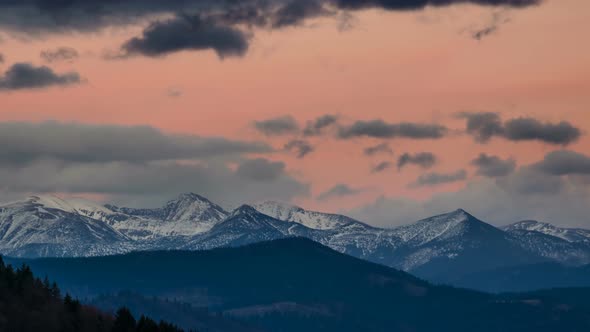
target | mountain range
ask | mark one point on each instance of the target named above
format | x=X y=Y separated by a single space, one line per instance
x=442 y=248
x=296 y=284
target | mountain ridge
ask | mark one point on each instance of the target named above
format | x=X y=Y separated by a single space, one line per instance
x=437 y=248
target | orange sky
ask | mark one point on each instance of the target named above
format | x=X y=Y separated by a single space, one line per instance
x=412 y=66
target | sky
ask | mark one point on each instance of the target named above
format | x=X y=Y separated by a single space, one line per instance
x=386 y=110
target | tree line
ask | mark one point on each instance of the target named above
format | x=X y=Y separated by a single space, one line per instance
x=31 y=304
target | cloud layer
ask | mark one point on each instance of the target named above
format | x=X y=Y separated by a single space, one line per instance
x=219 y=25
x=84 y=15
x=556 y=190
x=137 y=164
x=23 y=142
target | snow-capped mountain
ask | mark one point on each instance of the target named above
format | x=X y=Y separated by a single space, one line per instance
x=244 y=225
x=455 y=243
x=310 y=219
x=49 y=226
x=567 y=234
x=338 y=232
x=187 y=215
x=436 y=248
x=565 y=245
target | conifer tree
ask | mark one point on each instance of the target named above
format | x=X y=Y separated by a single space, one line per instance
x=124 y=321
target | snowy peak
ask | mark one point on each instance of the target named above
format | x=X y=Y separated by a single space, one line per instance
x=78 y=206
x=458 y=217
x=51 y=226
x=246 y=210
x=278 y=210
x=310 y=219
x=191 y=206
x=187 y=215
x=528 y=225
x=443 y=227
x=567 y=234
x=50 y=202
x=248 y=217
x=246 y=221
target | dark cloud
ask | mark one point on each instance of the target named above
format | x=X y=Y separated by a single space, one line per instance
x=23 y=76
x=420 y=4
x=60 y=54
x=422 y=159
x=216 y=27
x=38 y=16
x=339 y=190
x=382 y=166
x=564 y=162
x=282 y=125
x=483 y=125
x=260 y=169
x=493 y=166
x=383 y=148
x=316 y=127
x=526 y=129
x=22 y=143
x=435 y=178
x=2 y=58
x=296 y=11
x=300 y=147
x=187 y=33
x=486 y=125
x=382 y=129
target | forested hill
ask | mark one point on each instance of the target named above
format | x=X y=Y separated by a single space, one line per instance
x=296 y=284
x=29 y=304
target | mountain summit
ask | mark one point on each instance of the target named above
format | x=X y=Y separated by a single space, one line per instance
x=50 y=226
x=567 y=234
x=310 y=219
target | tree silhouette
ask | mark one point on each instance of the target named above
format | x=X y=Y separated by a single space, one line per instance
x=29 y=304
